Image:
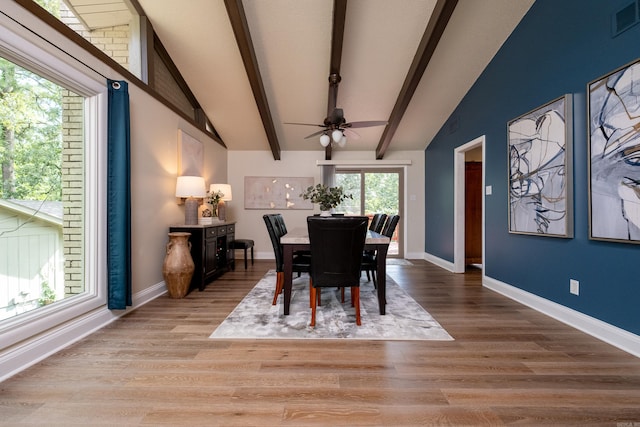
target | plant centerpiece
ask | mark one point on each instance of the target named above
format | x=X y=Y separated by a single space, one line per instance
x=327 y=197
x=212 y=199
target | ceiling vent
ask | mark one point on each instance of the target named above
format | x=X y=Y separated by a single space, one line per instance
x=624 y=18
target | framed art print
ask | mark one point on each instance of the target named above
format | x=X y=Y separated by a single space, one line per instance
x=540 y=170
x=614 y=155
x=190 y=155
x=276 y=192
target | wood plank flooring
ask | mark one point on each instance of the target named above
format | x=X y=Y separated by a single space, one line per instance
x=507 y=365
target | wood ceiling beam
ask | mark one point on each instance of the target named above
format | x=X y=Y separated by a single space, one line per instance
x=238 y=19
x=337 y=37
x=430 y=39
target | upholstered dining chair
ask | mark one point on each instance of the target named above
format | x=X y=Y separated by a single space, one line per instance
x=369 y=262
x=377 y=222
x=301 y=263
x=337 y=244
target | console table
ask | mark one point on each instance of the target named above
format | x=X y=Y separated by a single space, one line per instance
x=210 y=250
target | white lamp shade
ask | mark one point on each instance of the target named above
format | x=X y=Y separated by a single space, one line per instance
x=190 y=186
x=336 y=135
x=225 y=189
x=343 y=141
x=325 y=140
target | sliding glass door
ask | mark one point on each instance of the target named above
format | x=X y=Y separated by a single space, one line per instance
x=374 y=191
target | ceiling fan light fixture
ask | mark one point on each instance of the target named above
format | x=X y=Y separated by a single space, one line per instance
x=325 y=140
x=337 y=135
x=342 y=142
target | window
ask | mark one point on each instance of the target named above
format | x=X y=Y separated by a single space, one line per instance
x=374 y=191
x=50 y=150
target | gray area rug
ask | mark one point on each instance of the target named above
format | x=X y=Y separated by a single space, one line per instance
x=256 y=318
x=398 y=261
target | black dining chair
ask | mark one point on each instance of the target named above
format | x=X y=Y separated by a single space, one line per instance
x=301 y=263
x=369 y=261
x=337 y=244
x=377 y=222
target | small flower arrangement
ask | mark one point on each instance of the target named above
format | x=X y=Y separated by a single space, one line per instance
x=327 y=197
x=213 y=199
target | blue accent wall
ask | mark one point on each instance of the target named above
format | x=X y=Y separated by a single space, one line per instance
x=558 y=48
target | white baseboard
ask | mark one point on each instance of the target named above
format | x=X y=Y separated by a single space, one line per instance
x=439 y=262
x=414 y=255
x=610 y=334
x=21 y=356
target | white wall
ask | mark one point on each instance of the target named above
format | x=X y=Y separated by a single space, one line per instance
x=250 y=224
x=154 y=169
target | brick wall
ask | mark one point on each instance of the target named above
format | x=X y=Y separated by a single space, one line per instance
x=113 y=41
x=73 y=192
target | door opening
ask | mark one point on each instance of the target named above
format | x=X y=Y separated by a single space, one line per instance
x=469 y=183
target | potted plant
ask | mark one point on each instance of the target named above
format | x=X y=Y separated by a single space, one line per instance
x=327 y=197
x=211 y=215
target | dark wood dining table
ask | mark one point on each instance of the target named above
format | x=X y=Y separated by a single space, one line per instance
x=298 y=239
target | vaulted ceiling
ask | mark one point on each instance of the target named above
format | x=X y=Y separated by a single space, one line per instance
x=255 y=64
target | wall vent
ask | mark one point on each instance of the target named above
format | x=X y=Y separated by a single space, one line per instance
x=624 y=18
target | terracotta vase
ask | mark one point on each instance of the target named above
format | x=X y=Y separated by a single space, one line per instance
x=178 y=265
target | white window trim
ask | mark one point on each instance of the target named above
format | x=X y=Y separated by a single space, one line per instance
x=30 y=51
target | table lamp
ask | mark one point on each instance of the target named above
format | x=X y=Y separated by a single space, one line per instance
x=225 y=189
x=191 y=188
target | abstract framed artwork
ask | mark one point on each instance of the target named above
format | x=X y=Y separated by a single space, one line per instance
x=276 y=192
x=614 y=155
x=190 y=155
x=540 y=170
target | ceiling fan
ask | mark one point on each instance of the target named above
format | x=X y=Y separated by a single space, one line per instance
x=336 y=126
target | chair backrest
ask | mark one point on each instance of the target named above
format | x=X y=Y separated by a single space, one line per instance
x=390 y=225
x=336 y=249
x=273 y=221
x=377 y=222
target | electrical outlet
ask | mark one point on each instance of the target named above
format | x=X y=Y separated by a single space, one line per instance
x=574 y=287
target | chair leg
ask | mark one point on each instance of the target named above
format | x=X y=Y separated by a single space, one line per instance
x=342 y=294
x=245 y=258
x=375 y=281
x=355 y=292
x=279 y=286
x=312 y=292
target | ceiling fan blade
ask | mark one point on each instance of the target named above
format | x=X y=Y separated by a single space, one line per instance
x=320 y=132
x=366 y=124
x=303 y=124
x=351 y=133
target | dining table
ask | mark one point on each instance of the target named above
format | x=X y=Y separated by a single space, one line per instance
x=298 y=240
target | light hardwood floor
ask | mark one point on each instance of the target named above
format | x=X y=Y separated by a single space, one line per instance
x=507 y=365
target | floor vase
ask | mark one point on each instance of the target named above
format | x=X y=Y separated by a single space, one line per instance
x=178 y=265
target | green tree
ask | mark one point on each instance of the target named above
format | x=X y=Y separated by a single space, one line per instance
x=30 y=137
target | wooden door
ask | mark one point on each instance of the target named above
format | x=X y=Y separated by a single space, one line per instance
x=473 y=213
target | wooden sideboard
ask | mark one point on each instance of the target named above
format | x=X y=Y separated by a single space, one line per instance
x=210 y=250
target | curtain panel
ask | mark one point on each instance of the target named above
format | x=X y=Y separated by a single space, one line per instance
x=118 y=197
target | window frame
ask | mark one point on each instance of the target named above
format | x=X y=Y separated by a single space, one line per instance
x=34 y=53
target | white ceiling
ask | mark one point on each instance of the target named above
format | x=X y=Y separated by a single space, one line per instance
x=292 y=42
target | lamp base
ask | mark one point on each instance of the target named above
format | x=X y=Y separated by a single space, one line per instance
x=222 y=211
x=191 y=211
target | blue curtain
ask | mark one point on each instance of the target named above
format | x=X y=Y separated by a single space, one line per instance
x=118 y=197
